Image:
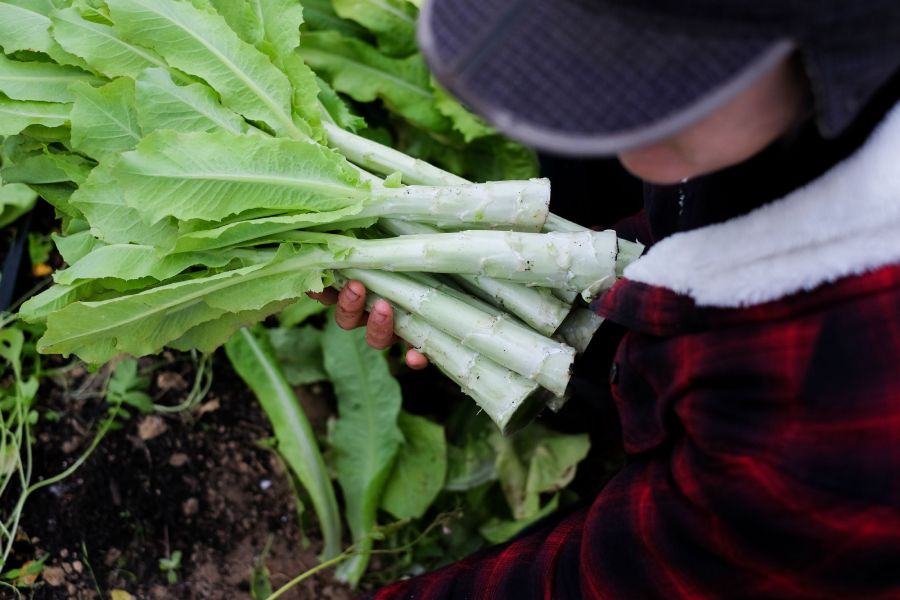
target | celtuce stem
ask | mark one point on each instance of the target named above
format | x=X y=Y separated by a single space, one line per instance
x=582 y=262
x=520 y=205
x=579 y=328
x=509 y=399
x=385 y=160
x=536 y=306
x=508 y=343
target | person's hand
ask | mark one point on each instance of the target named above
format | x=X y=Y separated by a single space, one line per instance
x=351 y=313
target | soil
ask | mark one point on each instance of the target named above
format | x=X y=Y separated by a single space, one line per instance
x=199 y=482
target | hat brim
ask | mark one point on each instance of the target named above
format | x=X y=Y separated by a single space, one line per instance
x=567 y=78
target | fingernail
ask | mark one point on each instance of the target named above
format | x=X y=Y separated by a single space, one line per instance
x=380 y=311
x=350 y=294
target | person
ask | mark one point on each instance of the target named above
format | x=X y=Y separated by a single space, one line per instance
x=758 y=383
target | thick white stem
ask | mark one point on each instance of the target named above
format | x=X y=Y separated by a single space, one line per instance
x=385 y=160
x=579 y=328
x=501 y=339
x=536 y=306
x=519 y=205
x=582 y=262
x=509 y=399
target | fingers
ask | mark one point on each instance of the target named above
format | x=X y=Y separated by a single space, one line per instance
x=351 y=313
x=380 y=326
x=351 y=306
x=415 y=360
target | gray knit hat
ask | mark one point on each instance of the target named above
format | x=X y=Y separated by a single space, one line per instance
x=594 y=77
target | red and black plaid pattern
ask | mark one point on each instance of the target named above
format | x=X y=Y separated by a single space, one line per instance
x=764 y=449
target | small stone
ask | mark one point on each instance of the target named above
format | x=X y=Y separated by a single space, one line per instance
x=71 y=589
x=170 y=380
x=67 y=567
x=71 y=445
x=78 y=566
x=54 y=576
x=151 y=427
x=64 y=553
x=211 y=406
x=190 y=507
x=179 y=459
x=265 y=484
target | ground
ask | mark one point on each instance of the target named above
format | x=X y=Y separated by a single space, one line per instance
x=200 y=482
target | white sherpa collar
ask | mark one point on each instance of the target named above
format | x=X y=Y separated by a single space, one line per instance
x=845 y=223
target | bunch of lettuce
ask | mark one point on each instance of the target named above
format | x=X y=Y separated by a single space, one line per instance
x=207 y=176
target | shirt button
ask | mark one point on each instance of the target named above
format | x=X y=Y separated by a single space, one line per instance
x=614 y=373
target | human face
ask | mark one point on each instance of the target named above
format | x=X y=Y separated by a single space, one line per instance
x=741 y=128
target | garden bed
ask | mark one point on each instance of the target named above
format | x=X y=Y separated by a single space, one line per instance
x=198 y=483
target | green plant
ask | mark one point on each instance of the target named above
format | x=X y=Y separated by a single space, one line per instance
x=181 y=201
x=18 y=416
x=170 y=565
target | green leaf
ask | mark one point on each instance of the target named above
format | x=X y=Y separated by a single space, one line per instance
x=201 y=43
x=497 y=531
x=467 y=124
x=129 y=262
x=299 y=311
x=419 y=471
x=471 y=465
x=260 y=582
x=212 y=334
x=40 y=81
x=366 y=437
x=363 y=73
x=280 y=21
x=46 y=166
x=337 y=110
x=25 y=26
x=491 y=158
x=16 y=199
x=304 y=97
x=536 y=461
x=104 y=121
x=58 y=195
x=242 y=231
x=254 y=361
x=16 y=115
x=392 y=21
x=101 y=201
x=210 y=176
x=319 y=15
x=163 y=104
x=127 y=386
x=299 y=352
x=144 y=322
x=241 y=18
x=39 y=248
x=101 y=46
x=76 y=245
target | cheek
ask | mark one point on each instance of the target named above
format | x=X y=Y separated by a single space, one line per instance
x=659 y=163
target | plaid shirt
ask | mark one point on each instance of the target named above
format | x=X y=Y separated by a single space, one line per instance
x=764 y=459
x=760 y=406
